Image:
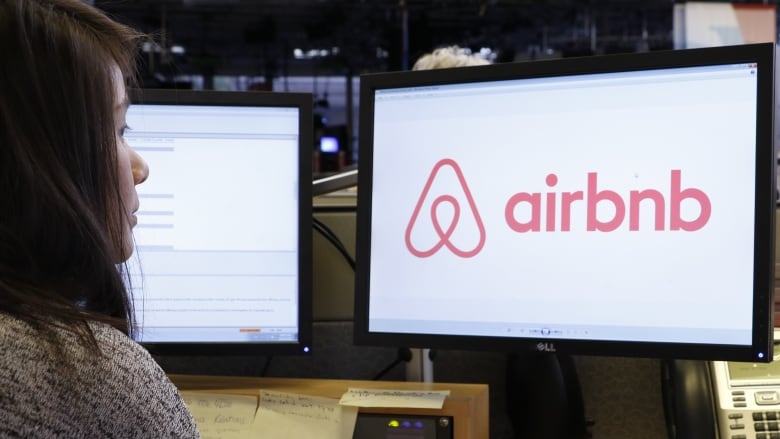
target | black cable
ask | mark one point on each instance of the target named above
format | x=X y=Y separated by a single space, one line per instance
x=328 y=234
x=404 y=356
x=267 y=364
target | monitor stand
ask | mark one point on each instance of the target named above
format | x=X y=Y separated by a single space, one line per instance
x=544 y=399
x=420 y=366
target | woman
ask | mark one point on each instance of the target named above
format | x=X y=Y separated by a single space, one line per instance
x=68 y=367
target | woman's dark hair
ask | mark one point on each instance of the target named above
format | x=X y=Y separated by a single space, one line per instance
x=61 y=224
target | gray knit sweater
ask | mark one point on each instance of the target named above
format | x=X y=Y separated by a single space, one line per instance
x=121 y=394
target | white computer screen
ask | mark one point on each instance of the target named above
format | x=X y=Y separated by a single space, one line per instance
x=218 y=245
x=617 y=206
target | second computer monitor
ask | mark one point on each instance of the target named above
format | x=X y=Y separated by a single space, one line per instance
x=223 y=240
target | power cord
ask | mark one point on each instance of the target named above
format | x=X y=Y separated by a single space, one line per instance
x=404 y=356
x=328 y=234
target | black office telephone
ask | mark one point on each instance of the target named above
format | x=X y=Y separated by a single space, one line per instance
x=721 y=400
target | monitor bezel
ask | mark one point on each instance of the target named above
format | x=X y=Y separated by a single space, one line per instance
x=304 y=103
x=761 y=348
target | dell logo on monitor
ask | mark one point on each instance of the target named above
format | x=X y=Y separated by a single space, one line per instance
x=545 y=346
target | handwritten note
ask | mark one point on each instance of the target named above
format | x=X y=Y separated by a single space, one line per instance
x=222 y=416
x=287 y=415
x=433 y=399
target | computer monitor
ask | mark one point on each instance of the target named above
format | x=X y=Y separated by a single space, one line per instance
x=223 y=240
x=610 y=205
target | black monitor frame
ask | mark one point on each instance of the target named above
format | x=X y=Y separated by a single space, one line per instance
x=761 y=348
x=303 y=102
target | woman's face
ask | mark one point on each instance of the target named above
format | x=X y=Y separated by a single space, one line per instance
x=132 y=171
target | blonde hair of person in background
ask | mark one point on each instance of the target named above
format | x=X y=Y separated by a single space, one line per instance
x=446 y=57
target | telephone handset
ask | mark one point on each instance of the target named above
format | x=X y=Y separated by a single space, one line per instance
x=720 y=399
x=689 y=404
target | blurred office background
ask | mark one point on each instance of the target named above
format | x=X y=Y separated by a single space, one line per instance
x=323 y=46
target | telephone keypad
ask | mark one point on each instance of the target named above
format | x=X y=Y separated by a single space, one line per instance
x=766 y=425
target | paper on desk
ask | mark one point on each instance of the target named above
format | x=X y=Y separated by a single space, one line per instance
x=221 y=416
x=425 y=399
x=287 y=415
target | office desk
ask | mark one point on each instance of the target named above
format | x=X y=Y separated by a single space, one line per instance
x=467 y=403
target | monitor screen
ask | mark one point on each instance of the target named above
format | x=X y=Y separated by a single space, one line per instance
x=610 y=205
x=223 y=240
x=329 y=144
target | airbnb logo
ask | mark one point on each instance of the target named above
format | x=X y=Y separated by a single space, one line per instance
x=552 y=211
x=593 y=196
x=445 y=234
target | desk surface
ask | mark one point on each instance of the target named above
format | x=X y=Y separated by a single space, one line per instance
x=467 y=403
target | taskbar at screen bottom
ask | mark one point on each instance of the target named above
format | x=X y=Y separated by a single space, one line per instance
x=656 y=334
x=217 y=335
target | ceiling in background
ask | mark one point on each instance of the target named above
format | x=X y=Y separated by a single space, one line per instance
x=259 y=37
